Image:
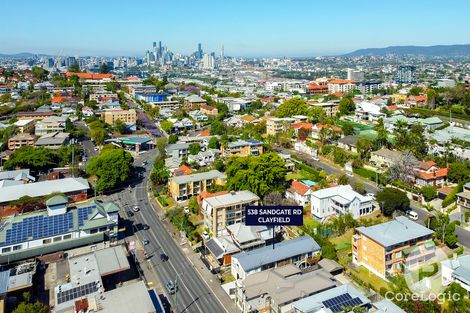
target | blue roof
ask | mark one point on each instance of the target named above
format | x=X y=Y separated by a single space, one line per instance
x=258 y=257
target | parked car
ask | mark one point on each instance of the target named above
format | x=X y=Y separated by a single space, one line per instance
x=136 y=209
x=145 y=227
x=171 y=287
x=205 y=235
x=145 y=163
x=164 y=257
x=412 y=215
x=130 y=213
x=145 y=242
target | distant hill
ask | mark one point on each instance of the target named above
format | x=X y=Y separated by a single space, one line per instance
x=441 y=50
x=22 y=55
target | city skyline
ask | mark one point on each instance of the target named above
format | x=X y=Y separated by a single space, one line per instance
x=244 y=28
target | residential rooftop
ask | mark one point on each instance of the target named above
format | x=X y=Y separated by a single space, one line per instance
x=197 y=177
x=234 y=197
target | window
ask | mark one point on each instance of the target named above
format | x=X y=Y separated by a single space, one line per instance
x=5 y=250
x=93 y=231
x=46 y=241
x=69 y=236
x=103 y=229
x=17 y=247
x=58 y=238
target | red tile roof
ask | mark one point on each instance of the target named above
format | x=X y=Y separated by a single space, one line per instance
x=302 y=125
x=298 y=187
x=440 y=173
x=182 y=170
x=89 y=75
x=58 y=99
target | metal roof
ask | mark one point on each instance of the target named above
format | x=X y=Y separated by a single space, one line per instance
x=197 y=177
x=258 y=257
x=44 y=188
x=231 y=198
x=394 y=232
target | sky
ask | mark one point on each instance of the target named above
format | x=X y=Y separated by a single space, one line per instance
x=245 y=27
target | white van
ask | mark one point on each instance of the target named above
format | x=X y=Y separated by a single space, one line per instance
x=412 y=215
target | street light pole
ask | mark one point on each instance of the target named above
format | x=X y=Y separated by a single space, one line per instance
x=176 y=292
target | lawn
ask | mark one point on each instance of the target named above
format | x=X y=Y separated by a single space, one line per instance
x=343 y=242
x=370 y=279
x=301 y=174
x=357 y=126
x=366 y=173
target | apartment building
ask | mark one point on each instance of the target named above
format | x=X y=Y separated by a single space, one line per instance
x=228 y=209
x=49 y=125
x=278 y=125
x=339 y=200
x=340 y=85
x=20 y=140
x=193 y=102
x=25 y=126
x=242 y=148
x=35 y=115
x=386 y=248
x=126 y=116
x=209 y=110
x=303 y=252
x=330 y=107
x=187 y=186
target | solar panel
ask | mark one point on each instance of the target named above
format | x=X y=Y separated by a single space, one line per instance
x=77 y=292
x=337 y=304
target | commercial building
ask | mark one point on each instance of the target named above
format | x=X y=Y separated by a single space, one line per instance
x=339 y=200
x=330 y=107
x=20 y=140
x=276 y=125
x=276 y=289
x=227 y=209
x=242 y=148
x=386 y=248
x=303 y=252
x=136 y=144
x=406 y=74
x=25 y=126
x=456 y=270
x=187 y=186
x=53 y=140
x=90 y=76
x=366 y=87
x=317 y=88
x=50 y=124
x=126 y=116
x=340 y=85
x=61 y=227
x=355 y=75
x=74 y=188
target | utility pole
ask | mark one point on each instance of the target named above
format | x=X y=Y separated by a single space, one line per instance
x=72 y=142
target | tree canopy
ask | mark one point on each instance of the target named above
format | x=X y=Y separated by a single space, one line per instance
x=346 y=106
x=112 y=167
x=260 y=174
x=392 y=199
x=39 y=159
x=294 y=106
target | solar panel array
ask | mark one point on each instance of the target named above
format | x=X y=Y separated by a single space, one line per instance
x=77 y=292
x=337 y=304
x=83 y=214
x=37 y=227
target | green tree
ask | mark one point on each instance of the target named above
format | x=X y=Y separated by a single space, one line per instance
x=392 y=199
x=348 y=130
x=382 y=134
x=39 y=72
x=317 y=114
x=213 y=143
x=37 y=159
x=194 y=148
x=112 y=167
x=415 y=91
x=418 y=144
x=429 y=192
x=346 y=106
x=161 y=144
x=166 y=125
x=159 y=174
x=173 y=138
x=75 y=68
x=104 y=69
x=260 y=174
x=98 y=135
x=120 y=126
x=400 y=131
x=36 y=307
x=343 y=180
x=458 y=172
x=193 y=205
x=291 y=107
x=217 y=128
x=364 y=148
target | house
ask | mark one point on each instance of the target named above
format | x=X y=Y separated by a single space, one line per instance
x=300 y=192
x=25 y=126
x=276 y=125
x=126 y=116
x=456 y=270
x=177 y=150
x=385 y=248
x=368 y=111
x=50 y=124
x=384 y=157
x=208 y=110
x=235 y=104
x=228 y=209
x=416 y=101
x=331 y=129
x=204 y=158
x=53 y=140
x=276 y=289
x=193 y=102
x=463 y=199
x=74 y=188
x=303 y=252
x=16 y=177
x=236 y=238
x=87 y=111
x=348 y=143
x=242 y=148
x=429 y=174
x=338 y=299
x=187 y=186
x=182 y=170
x=20 y=140
x=339 y=200
x=198 y=116
x=301 y=125
x=33 y=234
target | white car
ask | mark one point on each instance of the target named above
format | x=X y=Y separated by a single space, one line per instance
x=205 y=235
x=412 y=215
x=136 y=209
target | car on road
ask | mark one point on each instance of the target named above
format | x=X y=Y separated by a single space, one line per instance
x=136 y=209
x=145 y=227
x=412 y=215
x=171 y=287
x=205 y=235
x=164 y=257
x=130 y=213
x=145 y=163
x=145 y=242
